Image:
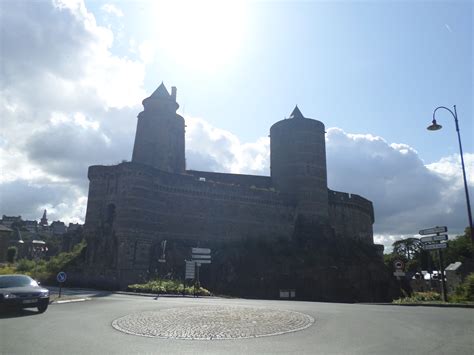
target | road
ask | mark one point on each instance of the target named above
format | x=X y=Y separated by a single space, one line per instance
x=86 y=328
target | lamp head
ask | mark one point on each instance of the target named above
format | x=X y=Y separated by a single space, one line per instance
x=434 y=126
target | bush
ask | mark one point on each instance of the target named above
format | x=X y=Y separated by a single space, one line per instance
x=419 y=297
x=159 y=286
x=25 y=265
x=7 y=270
x=465 y=291
x=45 y=271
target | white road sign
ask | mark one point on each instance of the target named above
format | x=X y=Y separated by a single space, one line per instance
x=434 y=238
x=435 y=246
x=200 y=250
x=433 y=230
x=199 y=262
x=190 y=270
x=197 y=256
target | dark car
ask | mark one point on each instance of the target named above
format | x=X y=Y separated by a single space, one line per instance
x=21 y=291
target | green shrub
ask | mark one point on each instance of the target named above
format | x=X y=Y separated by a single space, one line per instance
x=7 y=270
x=419 y=297
x=25 y=265
x=465 y=291
x=159 y=286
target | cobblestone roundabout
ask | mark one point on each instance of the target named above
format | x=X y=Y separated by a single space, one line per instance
x=212 y=322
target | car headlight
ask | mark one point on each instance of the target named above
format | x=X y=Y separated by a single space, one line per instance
x=9 y=296
x=44 y=294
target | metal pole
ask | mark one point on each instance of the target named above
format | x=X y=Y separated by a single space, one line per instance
x=455 y=115
x=469 y=214
x=443 y=282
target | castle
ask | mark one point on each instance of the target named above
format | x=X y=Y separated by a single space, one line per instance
x=134 y=206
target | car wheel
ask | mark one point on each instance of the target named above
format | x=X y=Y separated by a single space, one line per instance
x=42 y=307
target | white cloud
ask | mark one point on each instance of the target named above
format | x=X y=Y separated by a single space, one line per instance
x=224 y=150
x=75 y=104
x=112 y=9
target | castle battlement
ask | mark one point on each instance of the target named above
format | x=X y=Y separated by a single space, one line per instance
x=351 y=200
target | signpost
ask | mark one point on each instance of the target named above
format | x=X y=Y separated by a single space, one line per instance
x=399 y=273
x=435 y=246
x=433 y=230
x=435 y=242
x=61 y=277
x=399 y=266
x=434 y=238
x=200 y=256
x=190 y=270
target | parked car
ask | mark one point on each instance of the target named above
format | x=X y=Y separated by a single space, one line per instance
x=21 y=291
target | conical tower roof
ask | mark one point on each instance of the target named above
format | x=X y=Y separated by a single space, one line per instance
x=296 y=113
x=161 y=91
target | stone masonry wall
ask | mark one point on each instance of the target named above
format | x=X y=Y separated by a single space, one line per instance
x=351 y=216
x=150 y=206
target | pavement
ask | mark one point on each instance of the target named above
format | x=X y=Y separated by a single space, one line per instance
x=129 y=324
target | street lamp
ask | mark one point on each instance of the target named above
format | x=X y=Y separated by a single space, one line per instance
x=435 y=127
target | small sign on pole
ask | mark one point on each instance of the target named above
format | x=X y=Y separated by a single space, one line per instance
x=433 y=230
x=399 y=265
x=61 y=277
x=435 y=246
x=190 y=270
x=200 y=250
x=434 y=238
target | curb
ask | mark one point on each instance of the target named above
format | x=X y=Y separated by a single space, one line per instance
x=71 y=300
x=440 y=305
x=159 y=295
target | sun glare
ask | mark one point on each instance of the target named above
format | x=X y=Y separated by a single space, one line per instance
x=200 y=34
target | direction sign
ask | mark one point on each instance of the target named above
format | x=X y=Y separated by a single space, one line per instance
x=61 y=276
x=190 y=270
x=200 y=250
x=435 y=246
x=433 y=230
x=199 y=262
x=434 y=238
x=197 y=256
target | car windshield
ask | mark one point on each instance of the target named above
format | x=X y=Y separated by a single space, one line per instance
x=16 y=281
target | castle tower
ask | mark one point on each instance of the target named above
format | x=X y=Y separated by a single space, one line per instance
x=298 y=163
x=159 y=141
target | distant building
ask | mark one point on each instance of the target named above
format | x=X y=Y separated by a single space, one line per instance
x=74 y=227
x=9 y=220
x=58 y=228
x=31 y=226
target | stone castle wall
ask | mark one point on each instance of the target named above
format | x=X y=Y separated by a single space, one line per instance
x=134 y=206
x=351 y=216
x=150 y=206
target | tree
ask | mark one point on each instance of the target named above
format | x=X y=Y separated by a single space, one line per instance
x=409 y=248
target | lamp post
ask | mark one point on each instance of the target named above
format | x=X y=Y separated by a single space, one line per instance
x=435 y=127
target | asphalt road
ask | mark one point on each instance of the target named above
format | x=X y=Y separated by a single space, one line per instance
x=86 y=328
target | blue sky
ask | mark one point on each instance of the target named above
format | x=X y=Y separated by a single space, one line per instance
x=74 y=73
x=377 y=67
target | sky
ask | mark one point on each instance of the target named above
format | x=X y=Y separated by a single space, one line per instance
x=74 y=73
